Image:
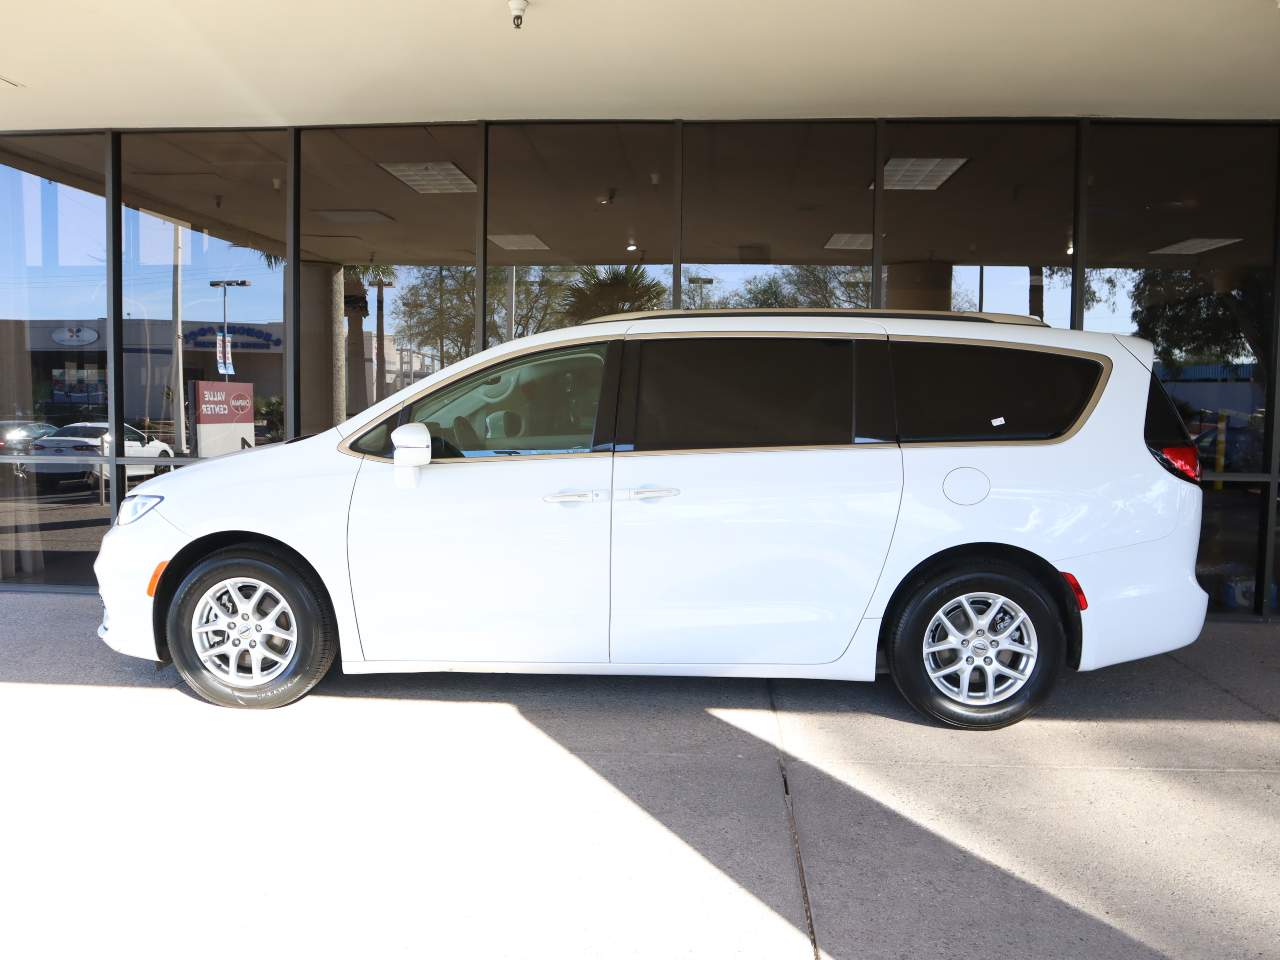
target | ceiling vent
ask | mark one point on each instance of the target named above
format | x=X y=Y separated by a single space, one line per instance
x=434 y=176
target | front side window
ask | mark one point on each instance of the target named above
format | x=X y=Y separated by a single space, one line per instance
x=949 y=392
x=729 y=392
x=544 y=403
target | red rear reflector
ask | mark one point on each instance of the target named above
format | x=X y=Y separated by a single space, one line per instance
x=37 y=446
x=1076 y=589
x=155 y=577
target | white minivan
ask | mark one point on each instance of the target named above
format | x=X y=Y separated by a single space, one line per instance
x=975 y=501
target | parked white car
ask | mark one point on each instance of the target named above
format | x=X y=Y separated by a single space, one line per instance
x=980 y=499
x=87 y=439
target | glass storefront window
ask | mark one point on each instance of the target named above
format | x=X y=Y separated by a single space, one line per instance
x=388 y=238
x=777 y=215
x=978 y=216
x=53 y=362
x=581 y=223
x=1227 y=567
x=1180 y=253
x=204 y=227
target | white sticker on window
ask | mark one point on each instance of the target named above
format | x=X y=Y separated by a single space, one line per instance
x=998 y=422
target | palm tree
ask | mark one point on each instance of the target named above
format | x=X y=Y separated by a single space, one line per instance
x=380 y=276
x=599 y=291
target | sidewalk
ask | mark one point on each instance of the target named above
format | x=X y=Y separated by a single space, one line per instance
x=1138 y=815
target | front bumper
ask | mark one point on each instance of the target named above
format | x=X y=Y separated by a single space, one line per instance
x=125 y=563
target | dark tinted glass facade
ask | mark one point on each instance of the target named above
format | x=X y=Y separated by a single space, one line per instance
x=375 y=255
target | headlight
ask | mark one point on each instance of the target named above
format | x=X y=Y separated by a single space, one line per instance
x=131 y=508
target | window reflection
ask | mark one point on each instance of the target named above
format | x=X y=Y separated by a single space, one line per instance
x=203 y=292
x=388 y=242
x=581 y=221
x=53 y=362
x=1180 y=238
x=979 y=217
x=777 y=215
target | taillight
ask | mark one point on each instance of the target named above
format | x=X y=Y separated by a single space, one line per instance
x=1182 y=461
x=37 y=446
x=85 y=446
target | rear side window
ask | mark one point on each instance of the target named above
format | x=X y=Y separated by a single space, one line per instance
x=1164 y=427
x=729 y=392
x=970 y=392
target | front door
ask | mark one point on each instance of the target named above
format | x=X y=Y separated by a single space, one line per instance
x=500 y=553
x=754 y=511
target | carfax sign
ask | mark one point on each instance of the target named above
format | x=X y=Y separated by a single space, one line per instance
x=224 y=417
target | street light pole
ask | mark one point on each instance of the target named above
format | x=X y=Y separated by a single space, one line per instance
x=226 y=337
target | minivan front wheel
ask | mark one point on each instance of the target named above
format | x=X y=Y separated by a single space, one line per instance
x=977 y=649
x=248 y=628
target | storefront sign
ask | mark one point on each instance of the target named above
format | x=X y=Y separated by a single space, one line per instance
x=224 y=417
x=74 y=336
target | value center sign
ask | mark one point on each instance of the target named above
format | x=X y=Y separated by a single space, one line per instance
x=224 y=417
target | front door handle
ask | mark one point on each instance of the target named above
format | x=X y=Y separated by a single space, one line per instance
x=573 y=496
x=653 y=493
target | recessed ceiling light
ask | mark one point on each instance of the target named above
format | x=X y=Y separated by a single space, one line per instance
x=353 y=216
x=1197 y=245
x=849 y=241
x=919 y=173
x=435 y=176
x=632 y=246
x=518 y=241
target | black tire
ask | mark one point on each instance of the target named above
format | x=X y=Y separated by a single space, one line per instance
x=163 y=467
x=904 y=645
x=317 y=637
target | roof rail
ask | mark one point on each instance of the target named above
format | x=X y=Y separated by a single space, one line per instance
x=973 y=316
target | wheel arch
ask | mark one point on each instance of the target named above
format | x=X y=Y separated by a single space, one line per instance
x=970 y=553
x=195 y=551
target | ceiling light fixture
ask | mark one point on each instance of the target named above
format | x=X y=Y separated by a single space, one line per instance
x=607 y=198
x=919 y=173
x=517 y=8
x=632 y=246
x=518 y=241
x=1197 y=245
x=434 y=176
x=848 y=241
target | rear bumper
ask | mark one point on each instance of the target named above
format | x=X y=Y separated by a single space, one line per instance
x=125 y=563
x=1143 y=600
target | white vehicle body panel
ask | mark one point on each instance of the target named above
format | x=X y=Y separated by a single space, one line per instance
x=756 y=556
x=478 y=565
x=765 y=564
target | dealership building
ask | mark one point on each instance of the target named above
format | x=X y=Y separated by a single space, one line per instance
x=321 y=212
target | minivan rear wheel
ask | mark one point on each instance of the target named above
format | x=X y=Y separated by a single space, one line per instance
x=247 y=627
x=977 y=649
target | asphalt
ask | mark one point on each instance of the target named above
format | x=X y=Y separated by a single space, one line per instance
x=1138 y=815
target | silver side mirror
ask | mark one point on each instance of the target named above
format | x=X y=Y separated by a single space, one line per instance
x=412 y=442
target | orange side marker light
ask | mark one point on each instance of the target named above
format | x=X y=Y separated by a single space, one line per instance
x=155 y=577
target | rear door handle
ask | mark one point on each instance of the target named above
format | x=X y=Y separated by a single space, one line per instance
x=574 y=496
x=653 y=493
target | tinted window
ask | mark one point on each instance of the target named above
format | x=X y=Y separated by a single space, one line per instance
x=1164 y=426
x=748 y=392
x=543 y=403
x=948 y=391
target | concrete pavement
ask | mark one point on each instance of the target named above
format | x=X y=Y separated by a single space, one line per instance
x=492 y=816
